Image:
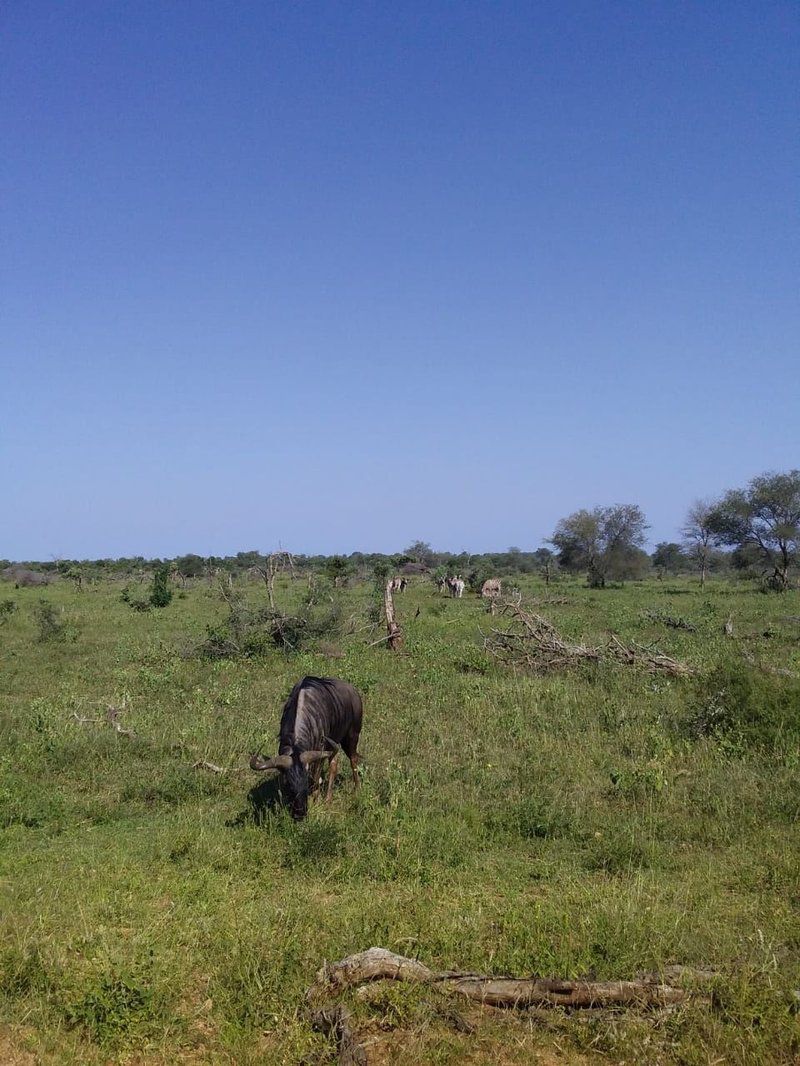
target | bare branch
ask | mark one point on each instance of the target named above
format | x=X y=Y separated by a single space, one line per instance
x=533 y=642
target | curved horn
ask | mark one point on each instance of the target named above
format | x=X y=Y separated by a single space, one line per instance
x=314 y=756
x=280 y=762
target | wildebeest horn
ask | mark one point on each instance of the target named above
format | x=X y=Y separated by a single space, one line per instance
x=314 y=756
x=279 y=762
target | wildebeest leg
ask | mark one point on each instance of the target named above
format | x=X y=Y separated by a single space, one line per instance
x=350 y=746
x=315 y=778
x=354 y=760
x=332 y=768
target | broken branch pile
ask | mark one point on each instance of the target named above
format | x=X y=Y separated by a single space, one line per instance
x=533 y=642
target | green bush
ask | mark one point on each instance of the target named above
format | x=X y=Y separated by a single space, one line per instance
x=747 y=709
x=50 y=626
x=160 y=592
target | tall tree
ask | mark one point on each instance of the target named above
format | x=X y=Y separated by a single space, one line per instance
x=421 y=552
x=763 y=521
x=668 y=558
x=698 y=535
x=605 y=542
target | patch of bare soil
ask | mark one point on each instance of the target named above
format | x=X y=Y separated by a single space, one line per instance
x=11 y=1051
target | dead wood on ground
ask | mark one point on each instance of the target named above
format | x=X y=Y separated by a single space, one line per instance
x=646 y=991
x=111 y=718
x=533 y=642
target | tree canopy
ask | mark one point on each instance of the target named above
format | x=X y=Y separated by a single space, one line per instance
x=762 y=523
x=606 y=542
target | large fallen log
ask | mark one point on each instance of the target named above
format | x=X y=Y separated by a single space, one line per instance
x=377 y=964
x=646 y=991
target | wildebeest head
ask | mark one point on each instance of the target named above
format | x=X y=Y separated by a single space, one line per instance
x=295 y=777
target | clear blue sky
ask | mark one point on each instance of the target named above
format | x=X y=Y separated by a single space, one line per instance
x=341 y=275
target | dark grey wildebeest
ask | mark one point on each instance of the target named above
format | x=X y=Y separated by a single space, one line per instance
x=321 y=717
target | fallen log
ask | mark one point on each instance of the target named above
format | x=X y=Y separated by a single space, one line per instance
x=377 y=964
x=534 y=994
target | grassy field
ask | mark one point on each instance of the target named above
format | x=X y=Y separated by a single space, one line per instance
x=597 y=821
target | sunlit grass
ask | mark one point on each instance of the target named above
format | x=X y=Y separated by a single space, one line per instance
x=562 y=825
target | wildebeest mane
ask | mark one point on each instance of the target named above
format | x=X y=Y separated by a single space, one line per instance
x=306 y=717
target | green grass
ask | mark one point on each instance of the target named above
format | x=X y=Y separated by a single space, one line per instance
x=572 y=824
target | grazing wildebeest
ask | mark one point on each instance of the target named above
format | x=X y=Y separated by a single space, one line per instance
x=492 y=588
x=321 y=717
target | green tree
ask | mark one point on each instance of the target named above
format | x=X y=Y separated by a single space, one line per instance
x=698 y=536
x=421 y=552
x=669 y=558
x=606 y=542
x=336 y=568
x=762 y=523
x=160 y=592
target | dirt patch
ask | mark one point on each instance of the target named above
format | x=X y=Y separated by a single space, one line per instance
x=11 y=1051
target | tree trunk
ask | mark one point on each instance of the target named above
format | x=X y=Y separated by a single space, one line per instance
x=393 y=631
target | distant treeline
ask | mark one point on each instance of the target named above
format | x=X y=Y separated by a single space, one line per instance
x=419 y=558
x=754 y=530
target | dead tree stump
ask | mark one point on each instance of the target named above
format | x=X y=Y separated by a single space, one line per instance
x=394 y=634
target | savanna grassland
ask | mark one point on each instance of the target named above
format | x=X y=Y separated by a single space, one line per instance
x=599 y=820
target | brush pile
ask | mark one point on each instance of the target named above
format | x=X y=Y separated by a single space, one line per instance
x=534 y=643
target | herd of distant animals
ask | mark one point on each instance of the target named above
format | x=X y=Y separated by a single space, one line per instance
x=322 y=718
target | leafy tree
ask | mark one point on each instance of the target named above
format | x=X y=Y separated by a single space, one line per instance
x=190 y=565
x=336 y=569
x=605 y=542
x=698 y=536
x=421 y=552
x=669 y=558
x=762 y=523
x=546 y=562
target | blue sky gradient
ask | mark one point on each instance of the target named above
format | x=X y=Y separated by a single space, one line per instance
x=344 y=275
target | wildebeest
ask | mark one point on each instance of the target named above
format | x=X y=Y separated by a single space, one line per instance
x=456 y=586
x=492 y=588
x=321 y=717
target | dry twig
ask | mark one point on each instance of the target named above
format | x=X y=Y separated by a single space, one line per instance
x=111 y=718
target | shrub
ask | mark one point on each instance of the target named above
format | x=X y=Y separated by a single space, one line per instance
x=248 y=634
x=160 y=592
x=7 y=608
x=745 y=708
x=51 y=627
